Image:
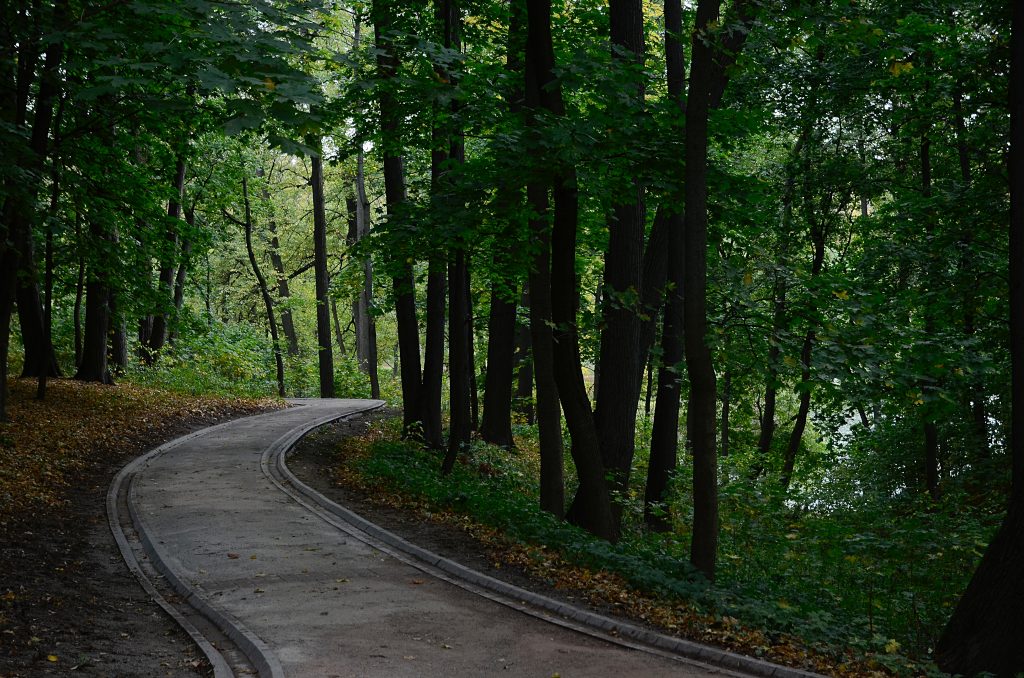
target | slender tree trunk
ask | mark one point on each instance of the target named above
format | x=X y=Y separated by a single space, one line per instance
x=701 y=372
x=366 y=333
x=284 y=292
x=323 y=309
x=268 y=303
x=458 y=361
x=726 y=404
x=931 y=433
x=338 y=336
x=474 y=389
x=665 y=430
x=161 y=323
x=79 y=291
x=969 y=280
x=394 y=189
x=48 y=284
x=549 y=416
x=497 y=422
x=593 y=500
x=524 y=360
x=985 y=630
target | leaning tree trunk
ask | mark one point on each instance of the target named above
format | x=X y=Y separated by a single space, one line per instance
x=268 y=303
x=160 y=330
x=985 y=630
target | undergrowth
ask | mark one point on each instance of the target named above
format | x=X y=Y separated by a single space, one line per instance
x=787 y=613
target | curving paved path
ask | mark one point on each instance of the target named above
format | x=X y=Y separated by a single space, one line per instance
x=312 y=599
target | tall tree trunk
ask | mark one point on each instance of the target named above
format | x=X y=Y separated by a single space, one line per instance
x=325 y=356
x=268 y=303
x=726 y=404
x=284 y=292
x=665 y=430
x=621 y=361
x=93 y=366
x=542 y=361
x=543 y=90
x=985 y=630
x=48 y=279
x=394 y=189
x=366 y=330
x=161 y=320
x=969 y=280
x=497 y=421
x=79 y=290
x=458 y=361
x=708 y=79
x=931 y=434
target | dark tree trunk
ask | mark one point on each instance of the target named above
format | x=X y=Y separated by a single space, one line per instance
x=30 y=318
x=474 y=390
x=433 y=362
x=323 y=308
x=931 y=433
x=665 y=430
x=593 y=500
x=338 y=336
x=969 y=281
x=542 y=361
x=458 y=361
x=93 y=366
x=726 y=404
x=497 y=422
x=48 y=282
x=707 y=81
x=621 y=360
x=284 y=293
x=366 y=328
x=985 y=630
x=394 y=189
x=160 y=331
x=118 y=358
x=268 y=303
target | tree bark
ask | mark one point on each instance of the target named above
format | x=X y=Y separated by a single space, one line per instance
x=621 y=361
x=394 y=189
x=707 y=79
x=593 y=499
x=160 y=330
x=325 y=354
x=524 y=361
x=268 y=303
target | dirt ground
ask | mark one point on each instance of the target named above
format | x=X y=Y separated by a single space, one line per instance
x=69 y=605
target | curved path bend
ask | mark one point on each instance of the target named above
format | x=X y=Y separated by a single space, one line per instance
x=294 y=587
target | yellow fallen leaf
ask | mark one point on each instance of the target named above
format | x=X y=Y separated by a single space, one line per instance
x=51 y=657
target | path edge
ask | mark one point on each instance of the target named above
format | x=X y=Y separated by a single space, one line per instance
x=607 y=628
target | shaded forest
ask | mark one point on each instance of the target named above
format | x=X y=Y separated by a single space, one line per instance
x=747 y=278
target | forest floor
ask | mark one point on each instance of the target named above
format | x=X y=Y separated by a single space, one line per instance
x=68 y=605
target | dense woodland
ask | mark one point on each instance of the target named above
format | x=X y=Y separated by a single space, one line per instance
x=742 y=270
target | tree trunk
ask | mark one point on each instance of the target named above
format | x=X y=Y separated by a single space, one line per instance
x=268 y=303
x=394 y=189
x=665 y=430
x=543 y=90
x=549 y=416
x=931 y=434
x=284 y=292
x=985 y=630
x=30 y=319
x=97 y=321
x=497 y=422
x=458 y=361
x=621 y=361
x=366 y=329
x=323 y=310
x=161 y=322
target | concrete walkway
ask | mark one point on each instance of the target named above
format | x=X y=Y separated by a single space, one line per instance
x=311 y=600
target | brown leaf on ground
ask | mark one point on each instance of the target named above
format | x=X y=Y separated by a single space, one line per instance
x=47 y=444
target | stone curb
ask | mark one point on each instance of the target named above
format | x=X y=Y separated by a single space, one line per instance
x=274 y=465
x=254 y=649
x=124 y=477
